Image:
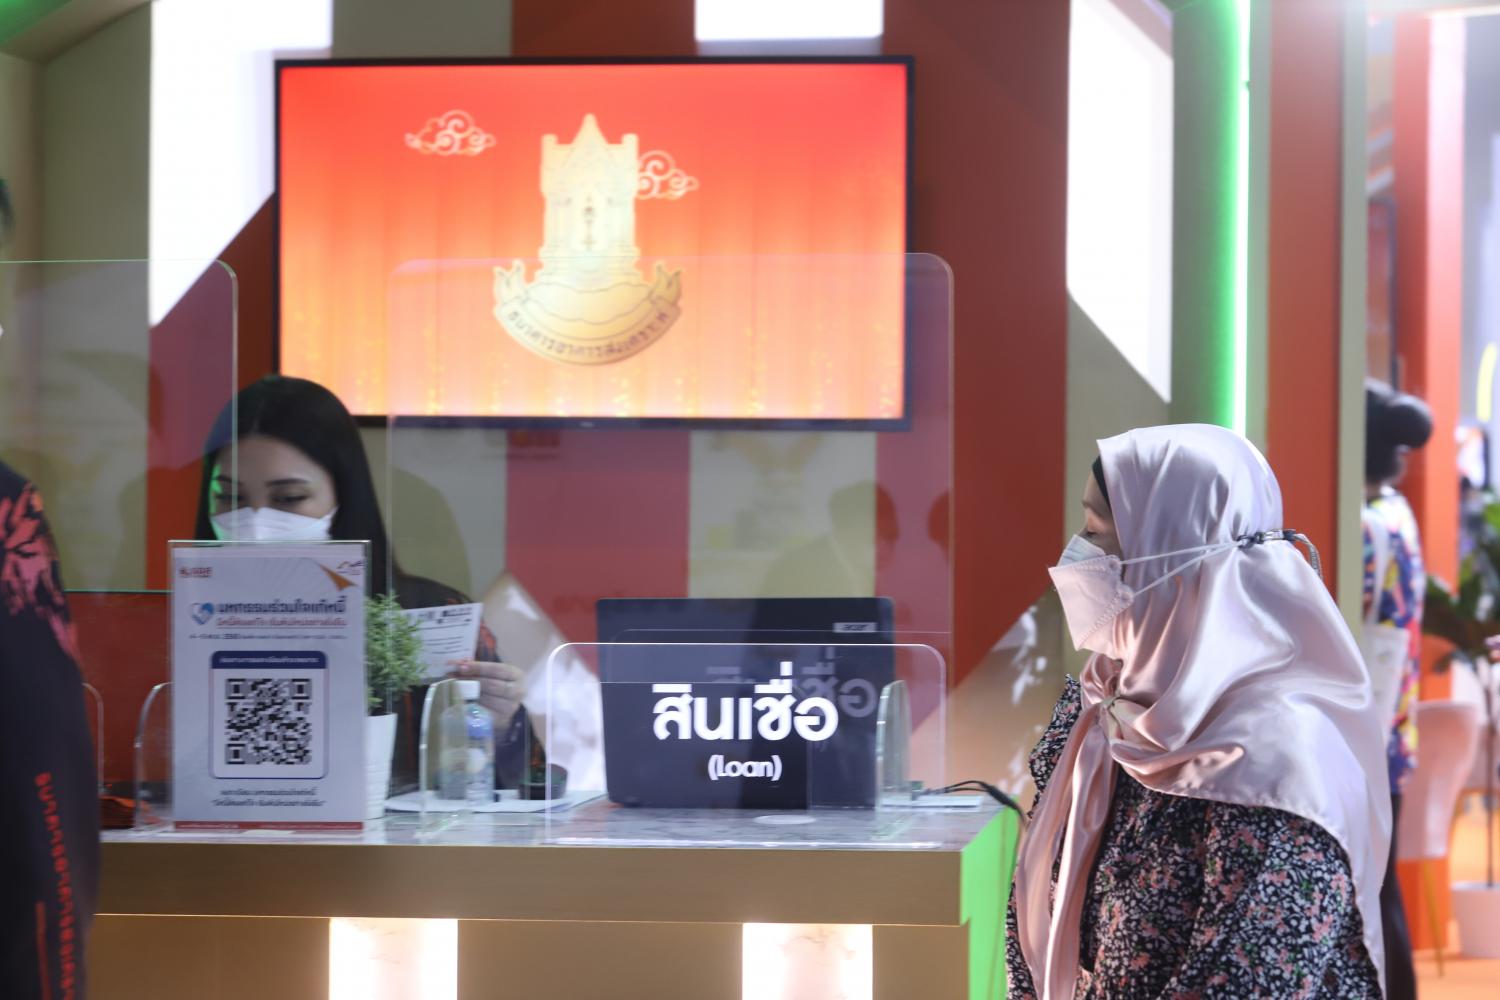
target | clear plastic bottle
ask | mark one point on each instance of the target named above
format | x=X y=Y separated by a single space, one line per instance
x=468 y=759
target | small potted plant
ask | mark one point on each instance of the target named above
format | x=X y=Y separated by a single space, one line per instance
x=393 y=666
x=1470 y=620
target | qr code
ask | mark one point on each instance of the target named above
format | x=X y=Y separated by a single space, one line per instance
x=269 y=725
x=268 y=720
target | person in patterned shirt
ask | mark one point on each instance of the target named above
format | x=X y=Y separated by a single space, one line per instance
x=1394 y=585
x=1211 y=818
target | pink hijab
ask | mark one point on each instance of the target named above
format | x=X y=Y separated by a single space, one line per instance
x=1240 y=683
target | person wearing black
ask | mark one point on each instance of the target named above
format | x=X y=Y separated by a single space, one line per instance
x=301 y=474
x=49 y=829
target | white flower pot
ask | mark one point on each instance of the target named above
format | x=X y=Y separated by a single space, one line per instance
x=380 y=746
x=1476 y=907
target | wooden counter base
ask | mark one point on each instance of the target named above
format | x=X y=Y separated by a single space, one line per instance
x=224 y=919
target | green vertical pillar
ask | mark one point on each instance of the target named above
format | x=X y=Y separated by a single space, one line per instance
x=1209 y=206
x=988 y=863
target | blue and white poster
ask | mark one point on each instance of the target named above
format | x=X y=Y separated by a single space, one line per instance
x=268 y=682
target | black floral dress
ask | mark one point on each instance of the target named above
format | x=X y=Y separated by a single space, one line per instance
x=1191 y=900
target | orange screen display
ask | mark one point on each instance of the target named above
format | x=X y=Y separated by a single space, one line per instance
x=696 y=241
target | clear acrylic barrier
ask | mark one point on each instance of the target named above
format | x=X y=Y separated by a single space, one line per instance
x=111 y=376
x=95 y=703
x=776 y=426
x=436 y=812
x=893 y=738
x=539 y=523
x=825 y=340
x=152 y=756
x=771 y=727
x=789 y=433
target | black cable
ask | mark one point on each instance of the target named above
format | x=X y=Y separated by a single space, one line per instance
x=975 y=785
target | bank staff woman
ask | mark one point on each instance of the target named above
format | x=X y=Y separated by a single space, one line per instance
x=1212 y=817
x=303 y=476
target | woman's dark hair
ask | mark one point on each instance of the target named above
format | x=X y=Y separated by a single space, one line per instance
x=311 y=419
x=1393 y=420
x=1099 y=478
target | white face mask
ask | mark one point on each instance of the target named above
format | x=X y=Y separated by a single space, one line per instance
x=267 y=524
x=1093 y=591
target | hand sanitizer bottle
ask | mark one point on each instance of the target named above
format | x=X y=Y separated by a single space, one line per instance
x=468 y=759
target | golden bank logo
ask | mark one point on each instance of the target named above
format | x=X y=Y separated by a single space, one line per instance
x=589 y=304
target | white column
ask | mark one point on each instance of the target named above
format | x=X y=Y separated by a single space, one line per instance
x=808 y=962
x=398 y=959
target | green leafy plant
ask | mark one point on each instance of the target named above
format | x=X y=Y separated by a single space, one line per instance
x=393 y=652
x=1470 y=616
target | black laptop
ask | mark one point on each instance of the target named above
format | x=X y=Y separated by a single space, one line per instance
x=763 y=703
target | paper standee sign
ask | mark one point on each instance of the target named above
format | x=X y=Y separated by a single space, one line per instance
x=268 y=678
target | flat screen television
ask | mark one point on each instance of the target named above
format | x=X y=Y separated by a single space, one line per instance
x=710 y=242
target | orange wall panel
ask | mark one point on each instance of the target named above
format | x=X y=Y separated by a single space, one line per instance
x=578 y=28
x=1304 y=251
x=990 y=197
x=1428 y=161
x=1428 y=106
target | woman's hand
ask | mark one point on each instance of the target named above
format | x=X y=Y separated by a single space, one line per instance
x=500 y=687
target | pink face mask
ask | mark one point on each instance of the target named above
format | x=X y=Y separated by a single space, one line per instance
x=1091 y=586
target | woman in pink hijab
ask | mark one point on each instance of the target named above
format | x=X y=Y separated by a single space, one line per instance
x=1211 y=817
